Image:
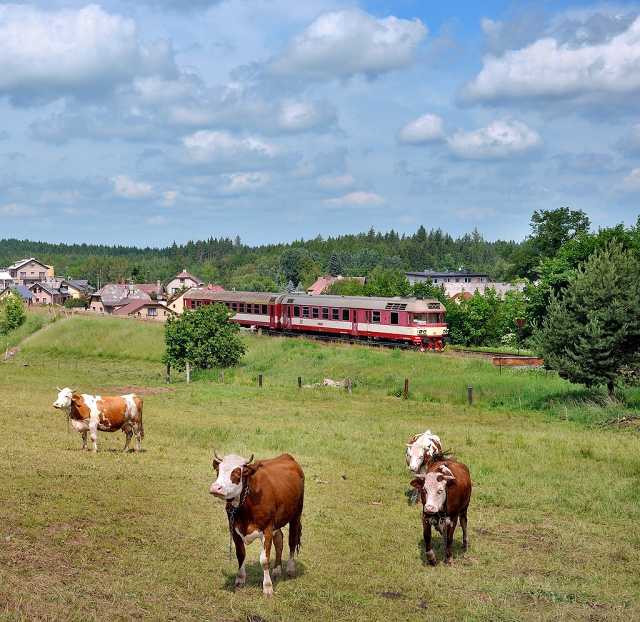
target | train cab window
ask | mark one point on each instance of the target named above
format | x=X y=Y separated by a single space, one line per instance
x=345 y=315
x=265 y=310
x=375 y=317
x=419 y=318
x=325 y=313
x=315 y=312
x=335 y=314
x=305 y=311
x=296 y=311
x=394 y=317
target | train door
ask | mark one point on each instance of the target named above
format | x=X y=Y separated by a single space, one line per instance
x=354 y=322
x=286 y=316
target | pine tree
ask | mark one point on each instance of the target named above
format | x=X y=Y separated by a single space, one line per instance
x=593 y=330
x=334 y=265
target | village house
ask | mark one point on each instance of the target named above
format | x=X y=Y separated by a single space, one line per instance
x=19 y=290
x=49 y=292
x=78 y=288
x=115 y=295
x=462 y=281
x=181 y=281
x=6 y=280
x=145 y=310
x=29 y=271
x=154 y=290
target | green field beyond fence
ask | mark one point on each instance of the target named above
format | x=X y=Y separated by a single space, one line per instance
x=553 y=520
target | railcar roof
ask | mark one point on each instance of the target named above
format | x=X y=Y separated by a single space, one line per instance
x=197 y=293
x=414 y=305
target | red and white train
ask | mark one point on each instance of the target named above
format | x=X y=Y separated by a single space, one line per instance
x=402 y=321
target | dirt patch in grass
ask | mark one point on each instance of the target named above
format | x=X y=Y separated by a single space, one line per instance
x=138 y=390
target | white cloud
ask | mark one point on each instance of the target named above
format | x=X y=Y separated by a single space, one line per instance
x=157 y=221
x=334 y=182
x=128 y=188
x=552 y=69
x=299 y=116
x=357 y=198
x=340 y=44
x=44 y=54
x=206 y=146
x=169 y=198
x=239 y=183
x=425 y=129
x=500 y=139
x=632 y=180
x=16 y=210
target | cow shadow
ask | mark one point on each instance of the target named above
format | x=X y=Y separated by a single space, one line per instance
x=255 y=575
x=437 y=544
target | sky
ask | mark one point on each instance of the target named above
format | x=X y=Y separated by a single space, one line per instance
x=158 y=120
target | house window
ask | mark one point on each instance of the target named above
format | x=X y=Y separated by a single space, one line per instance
x=375 y=317
x=305 y=311
x=325 y=313
x=265 y=310
x=345 y=315
x=296 y=311
x=467 y=279
x=152 y=312
x=335 y=314
x=435 y=280
x=394 y=317
x=41 y=275
x=23 y=275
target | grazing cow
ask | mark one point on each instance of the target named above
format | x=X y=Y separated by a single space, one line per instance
x=445 y=491
x=261 y=498
x=421 y=450
x=90 y=413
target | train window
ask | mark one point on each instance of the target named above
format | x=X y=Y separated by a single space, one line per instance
x=315 y=312
x=241 y=307
x=296 y=311
x=375 y=317
x=394 y=317
x=234 y=306
x=305 y=311
x=256 y=309
x=325 y=313
x=420 y=318
x=335 y=314
x=345 y=315
x=265 y=310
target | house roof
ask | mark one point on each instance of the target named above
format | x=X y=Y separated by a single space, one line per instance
x=21 y=262
x=150 y=288
x=114 y=294
x=21 y=290
x=5 y=276
x=186 y=275
x=79 y=284
x=51 y=287
x=321 y=284
x=136 y=305
x=445 y=273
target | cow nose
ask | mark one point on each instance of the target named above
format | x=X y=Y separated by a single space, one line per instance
x=215 y=489
x=430 y=509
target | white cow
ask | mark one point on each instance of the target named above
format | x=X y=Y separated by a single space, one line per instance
x=421 y=448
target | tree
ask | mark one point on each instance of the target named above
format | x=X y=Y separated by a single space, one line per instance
x=12 y=314
x=205 y=337
x=334 y=265
x=592 y=329
x=552 y=228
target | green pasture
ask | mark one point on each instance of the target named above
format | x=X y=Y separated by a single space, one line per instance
x=553 y=520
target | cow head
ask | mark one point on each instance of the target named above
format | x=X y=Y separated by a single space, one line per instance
x=433 y=487
x=232 y=471
x=64 y=398
x=421 y=449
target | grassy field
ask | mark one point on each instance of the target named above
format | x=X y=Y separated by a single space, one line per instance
x=554 y=518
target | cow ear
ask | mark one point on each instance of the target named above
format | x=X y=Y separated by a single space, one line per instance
x=417 y=483
x=446 y=473
x=249 y=469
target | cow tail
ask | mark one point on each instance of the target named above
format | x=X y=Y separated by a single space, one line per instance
x=140 y=419
x=299 y=538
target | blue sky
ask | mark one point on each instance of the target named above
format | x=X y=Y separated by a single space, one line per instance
x=161 y=120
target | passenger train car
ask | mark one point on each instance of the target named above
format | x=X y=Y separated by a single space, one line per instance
x=407 y=321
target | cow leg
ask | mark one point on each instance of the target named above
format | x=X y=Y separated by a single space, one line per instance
x=278 y=542
x=267 y=585
x=84 y=439
x=93 y=433
x=128 y=434
x=426 y=532
x=463 y=524
x=447 y=534
x=241 y=577
x=138 y=432
x=295 y=529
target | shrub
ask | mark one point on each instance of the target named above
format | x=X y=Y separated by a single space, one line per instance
x=12 y=314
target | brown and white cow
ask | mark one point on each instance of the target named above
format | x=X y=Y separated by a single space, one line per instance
x=421 y=449
x=90 y=413
x=445 y=491
x=261 y=498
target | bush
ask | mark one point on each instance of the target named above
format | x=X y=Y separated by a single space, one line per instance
x=12 y=314
x=205 y=338
x=76 y=303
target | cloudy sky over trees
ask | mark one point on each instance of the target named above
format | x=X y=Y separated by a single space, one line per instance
x=158 y=120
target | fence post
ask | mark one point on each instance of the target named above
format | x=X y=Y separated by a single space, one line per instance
x=168 y=375
x=222 y=376
x=188 y=372
x=299 y=382
x=348 y=385
x=260 y=380
x=405 y=392
x=470 y=395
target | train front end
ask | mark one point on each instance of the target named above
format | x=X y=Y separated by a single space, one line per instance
x=427 y=321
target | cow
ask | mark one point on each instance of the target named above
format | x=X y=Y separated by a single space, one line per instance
x=421 y=449
x=445 y=491
x=90 y=413
x=261 y=497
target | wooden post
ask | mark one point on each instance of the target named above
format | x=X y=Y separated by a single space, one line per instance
x=349 y=385
x=188 y=372
x=405 y=391
x=168 y=374
x=470 y=395
x=260 y=380
x=299 y=382
x=222 y=376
